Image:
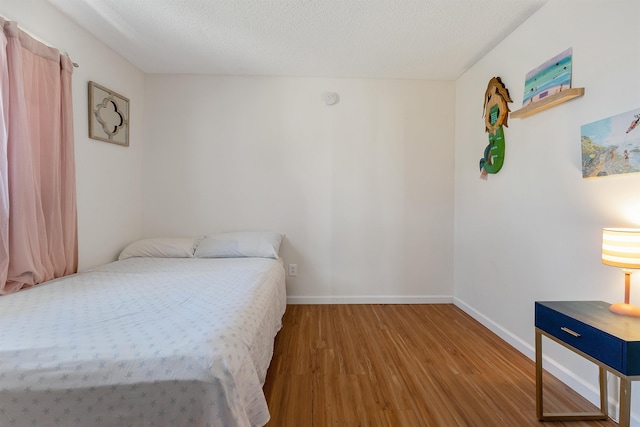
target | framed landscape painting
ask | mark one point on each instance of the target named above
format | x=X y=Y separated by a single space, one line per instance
x=611 y=146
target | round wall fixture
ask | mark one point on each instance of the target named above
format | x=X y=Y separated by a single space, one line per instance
x=330 y=98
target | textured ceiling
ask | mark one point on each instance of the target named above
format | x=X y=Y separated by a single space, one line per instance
x=425 y=39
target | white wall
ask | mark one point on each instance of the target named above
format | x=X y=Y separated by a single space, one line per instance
x=108 y=175
x=533 y=231
x=363 y=190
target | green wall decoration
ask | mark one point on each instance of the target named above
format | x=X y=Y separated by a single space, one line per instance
x=496 y=114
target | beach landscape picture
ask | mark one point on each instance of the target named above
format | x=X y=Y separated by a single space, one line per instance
x=611 y=146
x=549 y=78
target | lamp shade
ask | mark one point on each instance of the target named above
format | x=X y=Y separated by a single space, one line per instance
x=621 y=247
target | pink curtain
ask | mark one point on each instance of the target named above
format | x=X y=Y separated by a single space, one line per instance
x=38 y=235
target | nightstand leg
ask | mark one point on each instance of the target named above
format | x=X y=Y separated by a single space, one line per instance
x=625 y=403
x=604 y=392
x=539 y=409
x=575 y=416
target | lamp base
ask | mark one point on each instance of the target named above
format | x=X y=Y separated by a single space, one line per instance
x=625 y=309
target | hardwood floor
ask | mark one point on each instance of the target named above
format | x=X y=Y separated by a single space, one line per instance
x=403 y=365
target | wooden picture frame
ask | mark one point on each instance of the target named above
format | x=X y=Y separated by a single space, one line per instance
x=108 y=115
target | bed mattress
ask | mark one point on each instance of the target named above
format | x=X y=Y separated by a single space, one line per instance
x=143 y=342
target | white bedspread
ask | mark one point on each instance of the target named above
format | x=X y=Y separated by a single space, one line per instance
x=142 y=342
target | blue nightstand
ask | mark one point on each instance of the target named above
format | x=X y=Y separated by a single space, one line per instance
x=607 y=339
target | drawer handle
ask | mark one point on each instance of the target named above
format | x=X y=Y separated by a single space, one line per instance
x=570 y=332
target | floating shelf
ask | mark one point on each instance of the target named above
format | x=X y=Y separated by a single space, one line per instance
x=548 y=102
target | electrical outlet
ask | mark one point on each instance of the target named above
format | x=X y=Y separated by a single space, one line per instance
x=293 y=270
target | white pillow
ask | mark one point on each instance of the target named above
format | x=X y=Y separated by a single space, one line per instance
x=161 y=247
x=260 y=244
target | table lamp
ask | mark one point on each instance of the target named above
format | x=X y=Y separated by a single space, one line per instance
x=621 y=248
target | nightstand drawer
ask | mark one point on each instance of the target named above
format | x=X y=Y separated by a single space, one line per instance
x=589 y=340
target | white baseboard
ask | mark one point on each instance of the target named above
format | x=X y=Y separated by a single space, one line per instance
x=520 y=345
x=589 y=391
x=368 y=299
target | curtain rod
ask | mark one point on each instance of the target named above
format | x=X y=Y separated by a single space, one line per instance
x=75 y=64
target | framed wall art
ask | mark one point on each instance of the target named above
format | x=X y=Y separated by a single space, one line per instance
x=108 y=115
x=611 y=146
x=549 y=78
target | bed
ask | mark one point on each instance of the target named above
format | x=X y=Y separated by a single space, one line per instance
x=150 y=340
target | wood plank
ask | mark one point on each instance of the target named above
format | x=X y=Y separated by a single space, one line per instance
x=404 y=365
